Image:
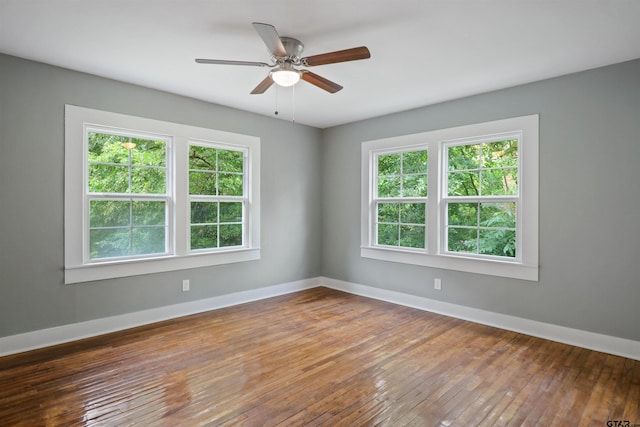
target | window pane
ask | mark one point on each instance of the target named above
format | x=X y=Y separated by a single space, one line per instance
x=464 y=183
x=229 y=184
x=498 y=242
x=464 y=157
x=230 y=235
x=202 y=183
x=231 y=212
x=462 y=240
x=462 y=214
x=204 y=212
x=204 y=236
x=203 y=158
x=109 y=213
x=108 y=178
x=149 y=213
x=148 y=240
x=388 y=234
x=414 y=186
x=230 y=161
x=389 y=186
x=113 y=242
x=148 y=180
x=500 y=154
x=105 y=148
x=499 y=182
x=412 y=236
x=388 y=212
x=413 y=213
x=501 y=215
x=389 y=164
x=414 y=162
x=148 y=152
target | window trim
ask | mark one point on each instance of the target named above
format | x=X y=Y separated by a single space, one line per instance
x=526 y=267
x=77 y=120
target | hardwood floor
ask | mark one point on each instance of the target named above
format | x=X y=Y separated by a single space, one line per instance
x=317 y=358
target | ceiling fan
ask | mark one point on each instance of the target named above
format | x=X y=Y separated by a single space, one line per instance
x=286 y=56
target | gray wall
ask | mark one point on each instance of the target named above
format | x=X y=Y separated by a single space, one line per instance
x=589 y=203
x=32 y=293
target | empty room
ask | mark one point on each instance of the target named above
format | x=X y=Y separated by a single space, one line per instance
x=319 y=213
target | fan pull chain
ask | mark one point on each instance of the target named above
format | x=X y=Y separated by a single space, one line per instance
x=293 y=104
x=276 y=112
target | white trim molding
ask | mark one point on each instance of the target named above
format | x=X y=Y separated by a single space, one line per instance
x=585 y=339
x=61 y=334
x=66 y=333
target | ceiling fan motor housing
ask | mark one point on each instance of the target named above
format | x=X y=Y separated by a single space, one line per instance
x=294 y=48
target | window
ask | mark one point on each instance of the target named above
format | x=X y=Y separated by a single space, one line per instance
x=481 y=198
x=463 y=198
x=400 y=198
x=126 y=195
x=216 y=197
x=144 y=196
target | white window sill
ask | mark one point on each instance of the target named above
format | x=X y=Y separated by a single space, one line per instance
x=512 y=270
x=115 y=269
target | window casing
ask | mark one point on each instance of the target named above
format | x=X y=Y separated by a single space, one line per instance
x=133 y=192
x=481 y=213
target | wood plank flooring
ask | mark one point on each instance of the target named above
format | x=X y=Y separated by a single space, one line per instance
x=317 y=358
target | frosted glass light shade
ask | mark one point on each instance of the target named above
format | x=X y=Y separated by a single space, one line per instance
x=285 y=78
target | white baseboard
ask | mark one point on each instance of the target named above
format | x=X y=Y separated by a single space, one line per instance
x=60 y=334
x=590 y=340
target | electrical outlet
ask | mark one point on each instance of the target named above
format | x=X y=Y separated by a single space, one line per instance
x=437 y=284
x=185 y=285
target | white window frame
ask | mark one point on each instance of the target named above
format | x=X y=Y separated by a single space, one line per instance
x=376 y=199
x=218 y=198
x=79 y=269
x=525 y=266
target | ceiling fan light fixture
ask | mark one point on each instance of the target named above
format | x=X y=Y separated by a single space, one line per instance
x=285 y=76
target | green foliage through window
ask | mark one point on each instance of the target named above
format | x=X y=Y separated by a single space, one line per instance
x=484 y=169
x=402 y=183
x=481 y=171
x=216 y=178
x=402 y=174
x=121 y=171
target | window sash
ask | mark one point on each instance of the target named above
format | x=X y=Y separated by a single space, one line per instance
x=446 y=198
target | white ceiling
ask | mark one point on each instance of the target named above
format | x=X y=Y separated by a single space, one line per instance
x=422 y=51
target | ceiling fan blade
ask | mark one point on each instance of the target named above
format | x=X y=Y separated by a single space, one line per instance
x=319 y=81
x=271 y=38
x=352 y=54
x=263 y=86
x=225 y=62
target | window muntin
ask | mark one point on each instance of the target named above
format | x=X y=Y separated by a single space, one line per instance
x=482 y=197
